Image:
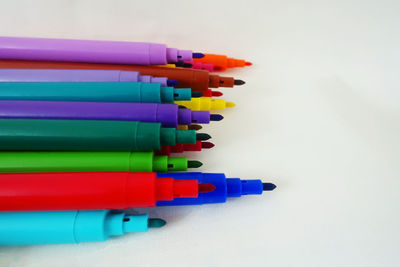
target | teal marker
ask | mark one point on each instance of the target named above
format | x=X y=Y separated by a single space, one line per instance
x=94 y=91
x=60 y=227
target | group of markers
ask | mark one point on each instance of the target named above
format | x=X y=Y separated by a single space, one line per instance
x=87 y=129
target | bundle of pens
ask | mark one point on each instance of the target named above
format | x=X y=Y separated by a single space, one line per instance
x=87 y=128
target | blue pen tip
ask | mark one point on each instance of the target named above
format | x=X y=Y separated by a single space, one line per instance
x=268 y=186
x=172 y=82
x=216 y=117
x=198 y=55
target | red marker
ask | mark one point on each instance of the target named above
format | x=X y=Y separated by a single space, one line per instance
x=167 y=150
x=91 y=190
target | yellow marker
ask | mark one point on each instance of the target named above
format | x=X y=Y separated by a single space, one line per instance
x=205 y=104
x=166 y=66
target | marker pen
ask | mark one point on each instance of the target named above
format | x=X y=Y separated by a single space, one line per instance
x=179 y=148
x=94 y=91
x=71 y=50
x=211 y=93
x=224 y=188
x=169 y=115
x=205 y=103
x=222 y=62
x=197 y=80
x=53 y=75
x=70 y=161
x=63 y=227
x=88 y=135
x=59 y=191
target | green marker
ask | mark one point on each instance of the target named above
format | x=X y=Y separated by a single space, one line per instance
x=88 y=135
x=92 y=161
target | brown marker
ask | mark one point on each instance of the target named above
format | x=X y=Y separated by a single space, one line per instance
x=198 y=80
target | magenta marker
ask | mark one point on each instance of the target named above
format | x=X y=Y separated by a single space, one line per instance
x=55 y=75
x=91 y=51
x=201 y=66
x=169 y=115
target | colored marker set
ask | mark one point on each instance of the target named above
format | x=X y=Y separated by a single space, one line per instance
x=87 y=129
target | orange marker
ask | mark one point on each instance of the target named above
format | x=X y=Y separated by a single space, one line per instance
x=222 y=62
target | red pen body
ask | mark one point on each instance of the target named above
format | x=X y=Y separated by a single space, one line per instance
x=89 y=190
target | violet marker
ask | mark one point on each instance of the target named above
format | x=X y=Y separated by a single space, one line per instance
x=91 y=51
x=55 y=75
x=169 y=115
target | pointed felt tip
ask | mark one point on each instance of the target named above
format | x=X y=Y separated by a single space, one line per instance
x=238 y=82
x=202 y=137
x=172 y=82
x=206 y=188
x=194 y=164
x=230 y=104
x=182 y=107
x=197 y=94
x=183 y=64
x=268 y=186
x=156 y=223
x=216 y=117
x=207 y=145
x=248 y=63
x=197 y=55
x=195 y=127
x=216 y=93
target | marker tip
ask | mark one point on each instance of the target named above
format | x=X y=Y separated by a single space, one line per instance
x=216 y=93
x=207 y=145
x=268 y=186
x=202 y=136
x=156 y=223
x=195 y=127
x=194 y=164
x=216 y=117
x=248 y=63
x=238 y=82
x=230 y=104
x=206 y=188
x=172 y=82
x=197 y=55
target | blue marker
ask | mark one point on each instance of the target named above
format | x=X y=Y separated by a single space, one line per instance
x=224 y=188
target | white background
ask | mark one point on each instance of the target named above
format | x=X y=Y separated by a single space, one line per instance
x=318 y=116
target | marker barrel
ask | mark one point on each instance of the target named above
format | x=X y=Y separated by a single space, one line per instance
x=61 y=227
x=197 y=80
x=89 y=190
x=54 y=75
x=89 y=161
x=90 y=51
x=88 y=135
x=92 y=91
x=167 y=114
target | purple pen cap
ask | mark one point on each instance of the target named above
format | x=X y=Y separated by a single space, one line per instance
x=188 y=116
x=162 y=80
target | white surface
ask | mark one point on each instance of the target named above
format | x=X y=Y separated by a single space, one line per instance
x=319 y=116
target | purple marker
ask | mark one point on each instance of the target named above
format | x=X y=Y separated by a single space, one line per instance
x=169 y=115
x=90 y=51
x=53 y=75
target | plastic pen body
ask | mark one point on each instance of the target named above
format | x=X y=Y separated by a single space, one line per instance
x=88 y=190
x=62 y=227
x=71 y=50
x=88 y=135
x=56 y=75
x=167 y=114
x=89 y=161
x=197 y=80
x=136 y=92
